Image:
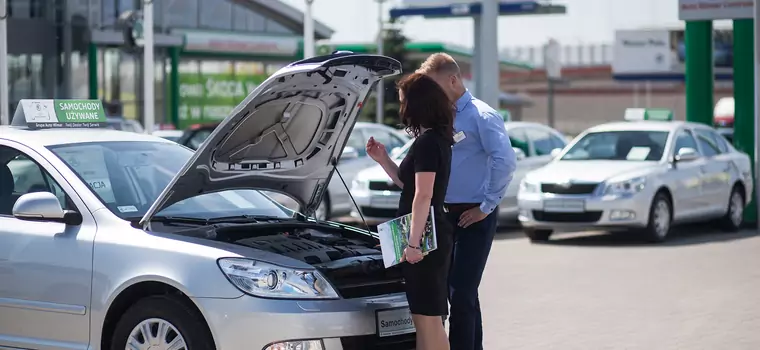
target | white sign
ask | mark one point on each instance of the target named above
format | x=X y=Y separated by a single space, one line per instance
x=394 y=322
x=689 y=10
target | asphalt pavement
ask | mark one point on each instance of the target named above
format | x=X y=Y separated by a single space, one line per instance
x=597 y=291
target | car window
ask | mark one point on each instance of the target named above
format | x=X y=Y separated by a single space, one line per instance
x=543 y=141
x=626 y=145
x=708 y=144
x=26 y=176
x=716 y=138
x=685 y=139
x=198 y=138
x=385 y=137
x=519 y=140
x=356 y=140
x=558 y=142
x=128 y=176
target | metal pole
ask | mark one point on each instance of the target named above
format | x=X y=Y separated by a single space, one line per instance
x=489 y=54
x=308 y=31
x=648 y=95
x=757 y=107
x=477 y=80
x=148 y=70
x=379 y=95
x=550 y=103
x=5 y=117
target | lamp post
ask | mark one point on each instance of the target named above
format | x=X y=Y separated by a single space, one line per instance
x=308 y=31
x=5 y=118
x=379 y=95
x=148 y=67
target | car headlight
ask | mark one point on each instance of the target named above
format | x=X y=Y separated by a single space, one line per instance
x=359 y=185
x=630 y=186
x=528 y=187
x=271 y=281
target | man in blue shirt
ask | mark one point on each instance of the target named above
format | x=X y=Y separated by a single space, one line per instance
x=481 y=168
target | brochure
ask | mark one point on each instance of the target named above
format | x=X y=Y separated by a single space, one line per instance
x=394 y=237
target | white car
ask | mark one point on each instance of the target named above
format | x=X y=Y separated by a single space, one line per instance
x=171 y=135
x=377 y=196
x=641 y=175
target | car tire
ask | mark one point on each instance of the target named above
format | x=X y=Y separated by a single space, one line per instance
x=162 y=314
x=660 y=219
x=323 y=211
x=734 y=217
x=537 y=235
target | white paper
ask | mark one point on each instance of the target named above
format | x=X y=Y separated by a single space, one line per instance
x=638 y=153
x=89 y=162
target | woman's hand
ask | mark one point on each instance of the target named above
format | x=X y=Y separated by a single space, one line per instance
x=376 y=150
x=412 y=255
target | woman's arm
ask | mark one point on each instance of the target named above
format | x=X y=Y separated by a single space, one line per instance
x=392 y=170
x=423 y=195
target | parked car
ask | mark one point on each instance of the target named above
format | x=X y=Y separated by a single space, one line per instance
x=124 y=124
x=171 y=135
x=336 y=202
x=377 y=196
x=133 y=241
x=644 y=175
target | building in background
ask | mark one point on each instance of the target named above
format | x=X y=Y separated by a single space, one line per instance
x=209 y=53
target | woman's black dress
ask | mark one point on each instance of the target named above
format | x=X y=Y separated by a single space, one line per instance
x=427 y=287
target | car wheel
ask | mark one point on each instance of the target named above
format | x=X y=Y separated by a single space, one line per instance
x=660 y=218
x=536 y=235
x=734 y=217
x=323 y=210
x=161 y=322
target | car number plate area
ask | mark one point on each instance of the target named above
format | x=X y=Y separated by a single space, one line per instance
x=565 y=205
x=392 y=322
x=389 y=201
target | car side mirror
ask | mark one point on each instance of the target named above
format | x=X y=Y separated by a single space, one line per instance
x=519 y=153
x=686 y=154
x=44 y=206
x=349 y=153
x=555 y=152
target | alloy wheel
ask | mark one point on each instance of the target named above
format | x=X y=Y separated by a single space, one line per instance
x=661 y=218
x=155 y=334
x=736 y=208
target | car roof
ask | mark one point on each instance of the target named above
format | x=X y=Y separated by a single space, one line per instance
x=49 y=137
x=646 y=125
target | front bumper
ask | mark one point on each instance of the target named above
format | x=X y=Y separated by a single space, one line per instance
x=346 y=324
x=540 y=211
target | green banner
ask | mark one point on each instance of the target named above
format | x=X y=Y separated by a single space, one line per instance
x=209 y=98
x=60 y=114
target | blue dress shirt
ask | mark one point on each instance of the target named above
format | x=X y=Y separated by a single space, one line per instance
x=482 y=160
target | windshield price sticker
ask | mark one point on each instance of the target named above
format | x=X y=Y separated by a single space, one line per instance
x=90 y=163
x=63 y=113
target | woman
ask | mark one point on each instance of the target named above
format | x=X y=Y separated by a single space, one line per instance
x=423 y=176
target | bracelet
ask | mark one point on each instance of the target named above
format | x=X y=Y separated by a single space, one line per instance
x=413 y=247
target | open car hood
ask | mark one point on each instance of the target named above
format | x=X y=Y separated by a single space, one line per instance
x=287 y=135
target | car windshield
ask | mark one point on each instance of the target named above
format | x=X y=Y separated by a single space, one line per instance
x=636 y=145
x=128 y=176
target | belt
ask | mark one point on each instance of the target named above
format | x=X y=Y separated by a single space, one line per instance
x=459 y=207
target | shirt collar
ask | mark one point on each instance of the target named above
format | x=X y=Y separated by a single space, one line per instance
x=464 y=100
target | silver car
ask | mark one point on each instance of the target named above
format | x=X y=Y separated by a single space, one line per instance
x=534 y=144
x=641 y=176
x=117 y=240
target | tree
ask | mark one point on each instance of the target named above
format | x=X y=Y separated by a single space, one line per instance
x=394 y=45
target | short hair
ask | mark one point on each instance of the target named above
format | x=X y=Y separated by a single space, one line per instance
x=439 y=63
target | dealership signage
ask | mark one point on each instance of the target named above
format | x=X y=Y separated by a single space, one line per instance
x=662 y=53
x=691 y=10
x=209 y=98
x=234 y=43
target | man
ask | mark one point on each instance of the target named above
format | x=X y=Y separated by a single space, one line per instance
x=481 y=168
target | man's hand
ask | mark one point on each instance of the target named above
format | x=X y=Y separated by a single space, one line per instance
x=471 y=216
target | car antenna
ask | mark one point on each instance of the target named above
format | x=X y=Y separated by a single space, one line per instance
x=335 y=164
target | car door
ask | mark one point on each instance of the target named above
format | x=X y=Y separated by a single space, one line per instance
x=685 y=178
x=45 y=267
x=716 y=171
x=519 y=140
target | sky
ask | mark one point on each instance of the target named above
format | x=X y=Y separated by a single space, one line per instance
x=586 y=22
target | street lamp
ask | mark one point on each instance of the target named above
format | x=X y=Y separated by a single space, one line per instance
x=308 y=31
x=4 y=102
x=379 y=98
x=148 y=69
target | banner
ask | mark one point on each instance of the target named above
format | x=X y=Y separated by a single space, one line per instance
x=698 y=10
x=662 y=53
x=209 y=98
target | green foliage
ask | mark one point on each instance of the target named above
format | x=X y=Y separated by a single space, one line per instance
x=394 y=45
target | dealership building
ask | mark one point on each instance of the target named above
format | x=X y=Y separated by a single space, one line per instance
x=209 y=53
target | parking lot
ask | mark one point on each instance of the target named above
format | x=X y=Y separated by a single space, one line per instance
x=592 y=290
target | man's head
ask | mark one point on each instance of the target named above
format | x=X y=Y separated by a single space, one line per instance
x=445 y=71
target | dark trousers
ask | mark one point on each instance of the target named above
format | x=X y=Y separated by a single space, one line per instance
x=471 y=248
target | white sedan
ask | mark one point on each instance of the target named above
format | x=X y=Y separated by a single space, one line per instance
x=377 y=196
x=643 y=176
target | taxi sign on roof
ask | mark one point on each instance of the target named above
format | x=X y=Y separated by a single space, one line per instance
x=637 y=114
x=48 y=114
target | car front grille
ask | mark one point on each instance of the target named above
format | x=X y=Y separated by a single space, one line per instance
x=568 y=188
x=383 y=186
x=373 y=342
x=365 y=279
x=378 y=212
x=588 y=216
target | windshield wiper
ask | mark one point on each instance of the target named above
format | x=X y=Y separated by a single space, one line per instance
x=170 y=219
x=245 y=218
